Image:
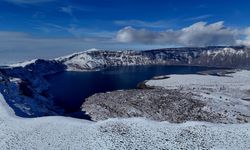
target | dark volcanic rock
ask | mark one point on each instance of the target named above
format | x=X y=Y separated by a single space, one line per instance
x=156 y=104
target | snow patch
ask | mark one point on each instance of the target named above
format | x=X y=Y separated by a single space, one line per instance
x=23 y=64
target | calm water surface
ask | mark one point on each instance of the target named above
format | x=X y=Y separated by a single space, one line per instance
x=71 y=88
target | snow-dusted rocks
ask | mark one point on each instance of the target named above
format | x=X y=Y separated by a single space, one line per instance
x=98 y=59
x=59 y=133
x=25 y=88
x=155 y=104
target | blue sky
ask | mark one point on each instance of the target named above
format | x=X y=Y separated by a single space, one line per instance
x=50 y=28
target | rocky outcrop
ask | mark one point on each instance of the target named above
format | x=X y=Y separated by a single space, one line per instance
x=155 y=104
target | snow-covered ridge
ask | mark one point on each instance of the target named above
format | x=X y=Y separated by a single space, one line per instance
x=23 y=64
x=225 y=51
x=231 y=57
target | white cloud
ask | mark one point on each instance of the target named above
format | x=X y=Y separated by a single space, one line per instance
x=246 y=37
x=198 y=34
x=203 y=34
x=131 y=35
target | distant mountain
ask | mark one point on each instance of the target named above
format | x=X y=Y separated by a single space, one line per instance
x=219 y=56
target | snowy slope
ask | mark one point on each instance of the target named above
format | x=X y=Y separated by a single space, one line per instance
x=134 y=133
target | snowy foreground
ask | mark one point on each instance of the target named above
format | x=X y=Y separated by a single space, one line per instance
x=134 y=133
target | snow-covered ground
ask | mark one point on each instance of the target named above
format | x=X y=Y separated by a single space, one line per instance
x=134 y=133
x=228 y=95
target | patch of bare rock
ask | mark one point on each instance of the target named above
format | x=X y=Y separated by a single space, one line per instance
x=156 y=104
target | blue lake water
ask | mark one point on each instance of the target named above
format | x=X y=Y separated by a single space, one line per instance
x=71 y=88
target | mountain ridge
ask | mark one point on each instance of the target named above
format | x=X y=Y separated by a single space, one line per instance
x=218 y=56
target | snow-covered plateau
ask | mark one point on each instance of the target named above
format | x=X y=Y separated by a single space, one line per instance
x=214 y=111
